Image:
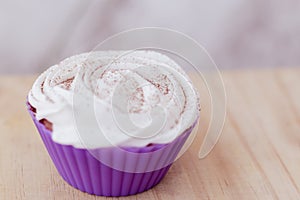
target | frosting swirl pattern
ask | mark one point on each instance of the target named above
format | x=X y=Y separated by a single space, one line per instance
x=138 y=98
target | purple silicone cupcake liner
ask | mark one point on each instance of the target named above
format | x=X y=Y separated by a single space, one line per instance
x=82 y=170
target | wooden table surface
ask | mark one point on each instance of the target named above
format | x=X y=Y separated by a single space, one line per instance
x=257 y=157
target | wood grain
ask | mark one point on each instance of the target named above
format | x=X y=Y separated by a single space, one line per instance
x=257 y=157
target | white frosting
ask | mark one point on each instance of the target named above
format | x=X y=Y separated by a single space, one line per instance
x=137 y=98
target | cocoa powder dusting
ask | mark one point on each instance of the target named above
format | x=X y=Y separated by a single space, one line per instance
x=66 y=84
x=137 y=99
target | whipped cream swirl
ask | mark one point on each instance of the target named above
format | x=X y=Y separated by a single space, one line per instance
x=138 y=98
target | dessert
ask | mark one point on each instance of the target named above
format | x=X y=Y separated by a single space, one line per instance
x=113 y=122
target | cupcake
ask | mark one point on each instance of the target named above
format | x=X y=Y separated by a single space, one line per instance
x=114 y=122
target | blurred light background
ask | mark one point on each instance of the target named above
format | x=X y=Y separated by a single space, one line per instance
x=237 y=33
